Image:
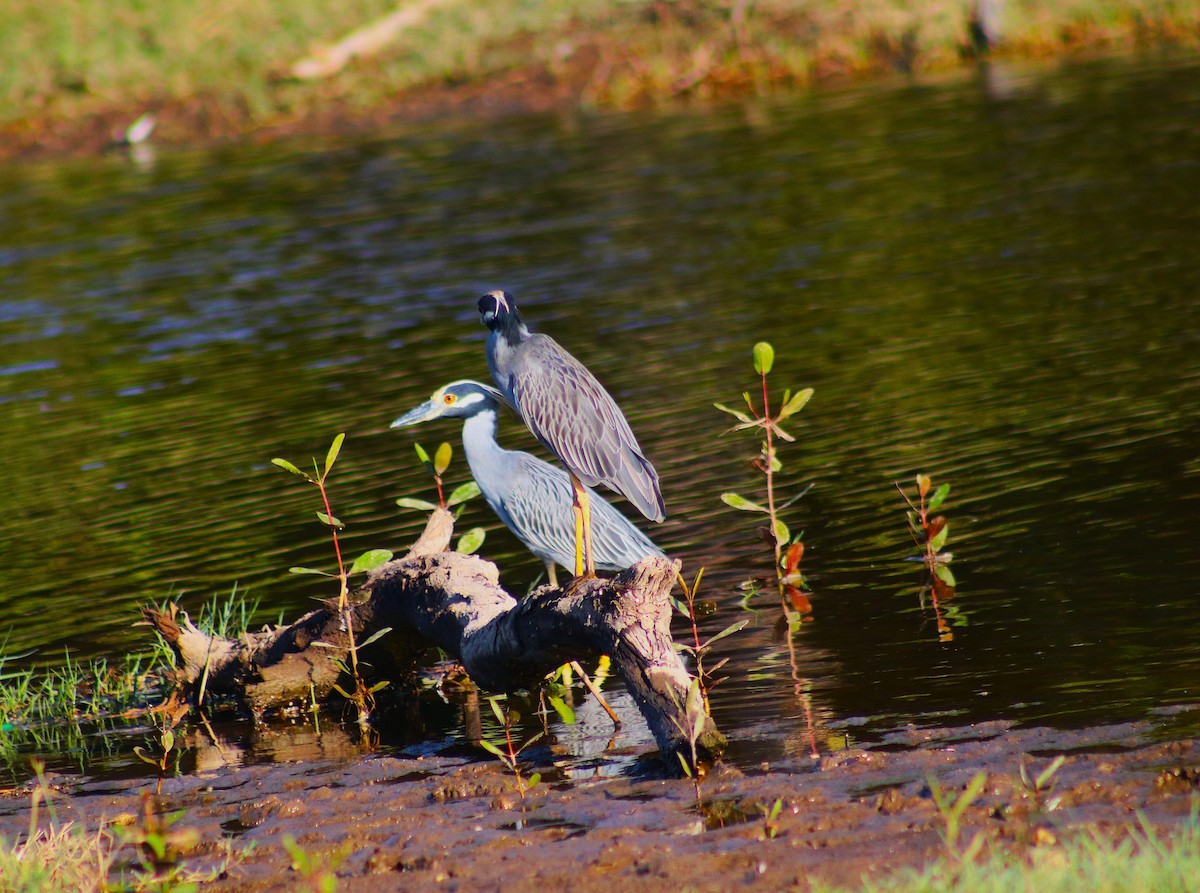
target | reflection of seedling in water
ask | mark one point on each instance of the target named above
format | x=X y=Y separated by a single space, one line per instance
x=470 y=541
x=930 y=532
x=951 y=810
x=788 y=550
x=361 y=696
x=509 y=753
x=688 y=607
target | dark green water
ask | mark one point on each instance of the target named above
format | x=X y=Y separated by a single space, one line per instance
x=995 y=282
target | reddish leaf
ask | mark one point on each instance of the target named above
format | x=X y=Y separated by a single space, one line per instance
x=924 y=482
x=934 y=526
x=941 y=591
x=799 y=600
x=792 y=561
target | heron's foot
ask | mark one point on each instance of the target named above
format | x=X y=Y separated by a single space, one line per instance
x=579 y=582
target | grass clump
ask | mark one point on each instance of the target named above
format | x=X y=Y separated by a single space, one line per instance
x=60 y=709
x=1141 y=859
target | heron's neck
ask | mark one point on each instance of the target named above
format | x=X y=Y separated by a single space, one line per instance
x=479 y=442
x=511 y=329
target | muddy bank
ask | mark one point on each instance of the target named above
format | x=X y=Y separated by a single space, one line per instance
x=453 y=822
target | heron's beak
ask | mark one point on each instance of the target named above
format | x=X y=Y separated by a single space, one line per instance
x=430 y=409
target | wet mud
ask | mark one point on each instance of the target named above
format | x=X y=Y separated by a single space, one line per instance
x=458 y=823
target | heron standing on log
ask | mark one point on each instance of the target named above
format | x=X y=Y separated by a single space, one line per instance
x=572 y=415
x=533 y=498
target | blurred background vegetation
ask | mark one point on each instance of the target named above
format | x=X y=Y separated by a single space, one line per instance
x=74 y=75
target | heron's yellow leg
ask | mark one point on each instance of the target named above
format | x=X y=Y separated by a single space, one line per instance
x=589 y=562
x=577 y=503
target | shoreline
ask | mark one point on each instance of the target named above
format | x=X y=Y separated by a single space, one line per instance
x=657 y=58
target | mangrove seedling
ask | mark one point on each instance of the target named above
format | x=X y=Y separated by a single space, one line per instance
x=1039 y=786
x=509 y=753
x=690 y=607
x=788 y=550
x=930 y=533
x=951 y=809
x=695 y=713
x=470 y=541
x=362 y=697
x=319 y=873
x=163 y=753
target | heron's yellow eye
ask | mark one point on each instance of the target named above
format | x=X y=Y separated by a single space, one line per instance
x=449 y=398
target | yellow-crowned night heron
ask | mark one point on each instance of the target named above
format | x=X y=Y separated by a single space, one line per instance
x=533 y=498
x=572 y=415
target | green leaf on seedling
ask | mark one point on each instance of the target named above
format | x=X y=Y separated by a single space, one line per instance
x=341 y=691
x=781 y=433
x=368 y=561
x=782 y=535
x=424 y=457
x=308 y=570
x=144 y=755
x=533 y=781
x=168 y=740
x=441 y=459
x=945 y=575
x=334 y=449
x=764 y=357
x=694 y=710
x=740 y=503
x=375 y=636
x=938 y=497
x=494 y=750
x=496 y=708
x=565 y=713
x=687 y=769
x=288 y=466
x=940 y=540
x=795 y=404
x=727 y=631
x=470 y=541
x=407 y=502
x=469 y=490
x=329 y=520
x=736 y=413
x=379 y=686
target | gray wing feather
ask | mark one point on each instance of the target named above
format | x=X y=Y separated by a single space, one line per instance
x=539 y=513
x=569 y=411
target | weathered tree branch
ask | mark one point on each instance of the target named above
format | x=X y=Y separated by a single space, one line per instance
x=364 y=41
x=456 y=602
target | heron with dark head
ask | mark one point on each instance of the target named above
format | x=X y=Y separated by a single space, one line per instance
x=573 y=416
x=533 y=498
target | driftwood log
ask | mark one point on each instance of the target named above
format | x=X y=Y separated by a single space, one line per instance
x=434 y=596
